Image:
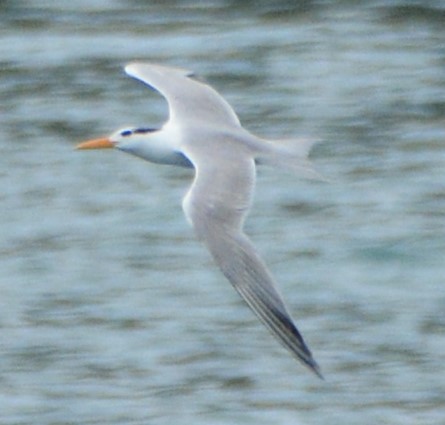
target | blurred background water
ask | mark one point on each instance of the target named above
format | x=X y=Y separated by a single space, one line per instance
x=111 y=311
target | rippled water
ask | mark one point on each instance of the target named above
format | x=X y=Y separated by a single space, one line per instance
x=111 y=312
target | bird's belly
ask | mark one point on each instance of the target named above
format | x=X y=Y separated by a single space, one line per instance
x=159 y=155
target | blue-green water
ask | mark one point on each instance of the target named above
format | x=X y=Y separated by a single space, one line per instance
x=111 y=312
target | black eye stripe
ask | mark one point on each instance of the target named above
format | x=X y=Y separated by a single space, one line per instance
x=141 y=130
x=144 y=130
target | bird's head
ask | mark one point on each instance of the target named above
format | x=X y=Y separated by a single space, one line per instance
x=151 y=144
x=124 y=139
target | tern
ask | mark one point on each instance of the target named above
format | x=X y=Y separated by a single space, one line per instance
x=204 y=133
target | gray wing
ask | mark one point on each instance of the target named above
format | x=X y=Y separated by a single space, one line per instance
x=216 y=205
x=189 y=100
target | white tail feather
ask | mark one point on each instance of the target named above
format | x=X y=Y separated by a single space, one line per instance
x=290 y=154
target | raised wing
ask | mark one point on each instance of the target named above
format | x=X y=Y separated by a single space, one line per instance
x=189 y=100
x=217 y=205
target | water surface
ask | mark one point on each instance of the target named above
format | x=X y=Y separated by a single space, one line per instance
x=110 y=310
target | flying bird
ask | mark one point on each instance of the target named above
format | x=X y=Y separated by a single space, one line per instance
x=204 y=133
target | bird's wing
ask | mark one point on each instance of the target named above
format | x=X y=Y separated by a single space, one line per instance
x=189 y=100
x=216 y=205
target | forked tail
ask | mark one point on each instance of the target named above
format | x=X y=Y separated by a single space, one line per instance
x=290 y=154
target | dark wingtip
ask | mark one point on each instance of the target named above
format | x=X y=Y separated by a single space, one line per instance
x=316 y=369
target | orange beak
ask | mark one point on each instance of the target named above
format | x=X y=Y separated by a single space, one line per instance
x=101 y=143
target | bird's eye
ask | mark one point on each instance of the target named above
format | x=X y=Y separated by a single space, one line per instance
x=126 y=133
